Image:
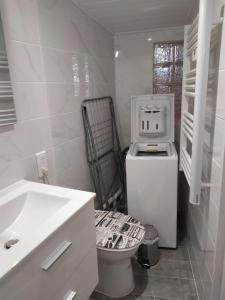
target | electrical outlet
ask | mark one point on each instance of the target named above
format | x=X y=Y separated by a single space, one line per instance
x=42 y=162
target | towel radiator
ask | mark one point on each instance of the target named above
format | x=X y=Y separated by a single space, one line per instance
x=195 y=78
x=7 y=109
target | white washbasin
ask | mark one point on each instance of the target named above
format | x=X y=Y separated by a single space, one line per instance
x=29 y=213
x=25 y=213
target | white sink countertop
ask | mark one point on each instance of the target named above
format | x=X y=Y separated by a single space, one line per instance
x=29 y=213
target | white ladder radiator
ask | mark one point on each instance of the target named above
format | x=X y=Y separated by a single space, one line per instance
x=195 y=78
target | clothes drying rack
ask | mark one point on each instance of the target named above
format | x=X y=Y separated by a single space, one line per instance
x=104 y=153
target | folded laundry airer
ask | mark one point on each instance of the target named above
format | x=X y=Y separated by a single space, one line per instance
x=104 y=153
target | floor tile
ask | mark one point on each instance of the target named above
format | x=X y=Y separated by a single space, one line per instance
x=172 y=288
x=181 y=253
x=170 y=279
x=135 y=297
x=142 y=286
x=97 y=296
x=183 y=242
x=172 y=268
x=157 y=298
x=166 y=268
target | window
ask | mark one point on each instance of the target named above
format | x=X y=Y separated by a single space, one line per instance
x=168 y=71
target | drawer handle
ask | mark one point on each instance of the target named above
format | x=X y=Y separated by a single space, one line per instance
x=71 y=295
x=55 y=255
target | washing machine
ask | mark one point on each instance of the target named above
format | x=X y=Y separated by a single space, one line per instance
x=152 y=165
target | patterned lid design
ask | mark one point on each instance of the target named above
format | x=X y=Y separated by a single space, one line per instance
x=115 y=230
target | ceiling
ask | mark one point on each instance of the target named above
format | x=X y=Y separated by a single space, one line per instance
x=137 y=15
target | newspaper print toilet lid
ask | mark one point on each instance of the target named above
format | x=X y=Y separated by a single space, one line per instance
x=115 y=230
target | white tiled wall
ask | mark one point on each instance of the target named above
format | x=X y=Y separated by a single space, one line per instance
x=58 y=57
x=134 y=69
x=204 y=220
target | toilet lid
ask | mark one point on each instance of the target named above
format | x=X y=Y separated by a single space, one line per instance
x=115 y=230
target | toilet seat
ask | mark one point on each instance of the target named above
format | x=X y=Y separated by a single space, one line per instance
x=116 y=231
x=118 y=237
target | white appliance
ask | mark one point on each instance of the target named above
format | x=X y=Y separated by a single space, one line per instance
x=152 y=165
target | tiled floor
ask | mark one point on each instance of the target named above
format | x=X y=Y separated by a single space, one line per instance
x=171 y=278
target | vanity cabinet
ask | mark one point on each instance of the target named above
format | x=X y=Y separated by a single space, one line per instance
x=63 y=267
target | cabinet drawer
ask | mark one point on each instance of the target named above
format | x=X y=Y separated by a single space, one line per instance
x=84 y=279
x=29 y=281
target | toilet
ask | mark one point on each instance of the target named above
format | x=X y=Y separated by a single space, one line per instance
x=118 y=237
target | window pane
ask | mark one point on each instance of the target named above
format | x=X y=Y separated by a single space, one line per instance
x=163 y=74
x=162 y=89
x=168 y=71
x=178 y=52
x=163 y=53
x=178 y=74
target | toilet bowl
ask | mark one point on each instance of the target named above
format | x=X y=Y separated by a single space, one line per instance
x=115 y=271
x=118 y=237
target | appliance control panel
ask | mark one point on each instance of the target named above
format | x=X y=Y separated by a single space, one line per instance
x=152 y=120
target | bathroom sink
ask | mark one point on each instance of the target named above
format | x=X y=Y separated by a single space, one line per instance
x=23 y=214
x=29 y=213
